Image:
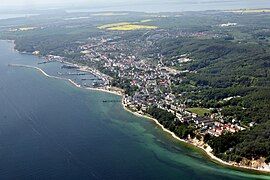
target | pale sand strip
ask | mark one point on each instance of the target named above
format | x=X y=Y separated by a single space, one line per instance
x=206 y=150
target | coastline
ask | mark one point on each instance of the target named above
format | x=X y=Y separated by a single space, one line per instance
x=205 y=150
x=107 y=89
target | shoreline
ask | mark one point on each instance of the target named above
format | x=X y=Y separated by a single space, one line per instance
x=207 y=150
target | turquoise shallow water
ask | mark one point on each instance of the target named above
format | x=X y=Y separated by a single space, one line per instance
x=49 y=129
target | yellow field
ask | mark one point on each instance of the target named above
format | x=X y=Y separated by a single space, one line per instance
x=126 y=26
x=131 y=27
x=106 y=26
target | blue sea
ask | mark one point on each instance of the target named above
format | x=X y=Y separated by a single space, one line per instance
x=50 y=129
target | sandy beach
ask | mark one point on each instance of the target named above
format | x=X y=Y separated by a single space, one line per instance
x=207 y=150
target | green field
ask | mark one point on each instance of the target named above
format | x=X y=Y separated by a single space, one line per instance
x=199 y=111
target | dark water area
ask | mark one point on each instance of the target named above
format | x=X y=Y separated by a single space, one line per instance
x=50 y=129
x=173 y=5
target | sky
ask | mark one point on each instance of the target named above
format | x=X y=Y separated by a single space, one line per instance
x=37 y=2
x=137 y=5
x=100 y=2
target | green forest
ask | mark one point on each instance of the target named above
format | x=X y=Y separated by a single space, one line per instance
x=228 y=69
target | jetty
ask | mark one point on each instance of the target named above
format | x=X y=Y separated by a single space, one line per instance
x=111 y=101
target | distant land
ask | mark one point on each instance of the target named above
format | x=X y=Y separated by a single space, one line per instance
x=143 y=6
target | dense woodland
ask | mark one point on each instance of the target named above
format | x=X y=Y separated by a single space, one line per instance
x=228 y=69
x=168 y=120
x=253 y=143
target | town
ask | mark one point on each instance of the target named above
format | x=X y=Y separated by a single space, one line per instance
x=147 y=83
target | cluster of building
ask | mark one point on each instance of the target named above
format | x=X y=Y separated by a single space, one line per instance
x=149 y=83
x=219 y=128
